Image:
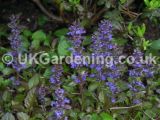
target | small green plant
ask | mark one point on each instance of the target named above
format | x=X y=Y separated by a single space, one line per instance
x=4 y=83
x=140 y=30
x=146 y=44
x=153 y=4
x=123 y=1
x=74 y=2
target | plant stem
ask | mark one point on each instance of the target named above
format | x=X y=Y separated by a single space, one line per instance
x=119 y=108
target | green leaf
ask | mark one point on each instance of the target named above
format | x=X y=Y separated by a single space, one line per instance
x=76 y=2
x=66 y=68
x=8 y=116
x=120 y=41
x=48 y=40
x=101 y=2
x=25 y=42
x=1 y=66
x=130 y=25
x=34 y=81
x=74 y=114
x=139 y=32
x=63 y=47
x=95 y=117
x=3 y=30
x=37 y=38
x=143 y=28
x=61 y=32
x=4 y=83
x=7 y=71
x=6 y=96
x=42 y=20
x=147 y=105
x=87 y=117
x=70 y=87
x=101 y=97
x=3 y=50
x=146 y=44
x=47 y=73
x=122 y=1
x=36 y=44
x=27 y=33
x=151 y=113
x=106 y=116
x=87 y=40
x=22 y=116
x=39 y=35
x=147 y=2
x=116 y=18
x=19 y=98
x=108 y=4
x=93 y=86
x=155 y=45
x=30 y=99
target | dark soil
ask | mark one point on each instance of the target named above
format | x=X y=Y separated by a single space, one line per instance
x=29 y=13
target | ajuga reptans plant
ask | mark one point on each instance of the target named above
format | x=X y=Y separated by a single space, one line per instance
x=15 y=42
x=104 y=47
x=76 y=37
x=60 y=102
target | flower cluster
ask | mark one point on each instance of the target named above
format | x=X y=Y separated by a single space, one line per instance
x=14 y=38
x=76 y=37
x=81 y=78
x=60 y=102
x=15 y=42
x=57 y=71
x=114 y=90
x=104 y=46
x=15 y=82
x=135 y=87
x=141 y=69
x=42 y=91
x=76 y=33
x=15 y=63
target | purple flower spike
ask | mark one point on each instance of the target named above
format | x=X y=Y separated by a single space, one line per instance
x=76 y=33
x=57 y=73
x=103 y=46
x=60 y=102
x=14 y=38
